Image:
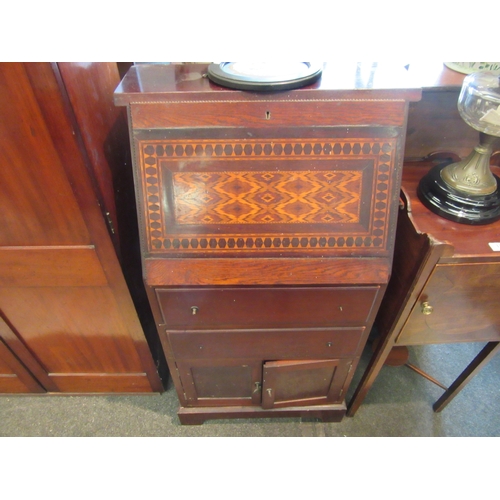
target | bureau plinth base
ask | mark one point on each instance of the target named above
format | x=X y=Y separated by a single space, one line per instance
x=197 y=416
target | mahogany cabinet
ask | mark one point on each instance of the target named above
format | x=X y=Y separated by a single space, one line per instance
x=68 y=323
x=267 y=227
x=444 y=288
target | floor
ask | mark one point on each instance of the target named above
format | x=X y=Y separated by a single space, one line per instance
x=398 y=405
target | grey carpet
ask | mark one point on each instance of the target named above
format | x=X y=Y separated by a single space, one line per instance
x=399 y=404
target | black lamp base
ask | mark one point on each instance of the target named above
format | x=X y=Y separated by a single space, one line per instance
x=451 y=204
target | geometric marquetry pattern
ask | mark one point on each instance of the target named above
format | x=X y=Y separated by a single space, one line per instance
x=264 y=197
x=267 y=197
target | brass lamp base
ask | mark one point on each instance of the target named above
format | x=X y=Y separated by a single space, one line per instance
x=445 y=201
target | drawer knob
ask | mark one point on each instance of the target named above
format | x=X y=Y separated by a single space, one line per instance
x=194 y=310
x=426 y=308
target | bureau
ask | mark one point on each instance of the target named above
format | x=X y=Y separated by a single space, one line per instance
x=267 y=226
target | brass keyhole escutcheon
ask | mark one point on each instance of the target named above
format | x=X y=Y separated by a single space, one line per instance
x=426 y=308
x=194 y=310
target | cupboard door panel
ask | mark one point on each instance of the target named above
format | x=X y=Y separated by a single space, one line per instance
x=221 y=382
x=302 y=383
x=72 y=330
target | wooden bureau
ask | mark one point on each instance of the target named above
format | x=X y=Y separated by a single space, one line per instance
x=267 y=225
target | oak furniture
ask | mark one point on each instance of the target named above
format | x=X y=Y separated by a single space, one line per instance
x=68 y=323
x=444 y=287
x=267 y=225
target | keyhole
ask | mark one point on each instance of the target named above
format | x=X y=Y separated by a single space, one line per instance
x=268 y=115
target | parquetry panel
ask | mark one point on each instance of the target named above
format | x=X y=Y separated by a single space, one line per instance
x=253 y=195
x=266 y=197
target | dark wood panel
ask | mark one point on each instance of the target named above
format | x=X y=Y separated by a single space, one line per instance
x=72 y=329
x=265 y=307
x=268 y=344
x=465 y=306
x=261 y=271
x=434 y=124
x=327 y=413
x=302 y=383
x=37 y=205
x=269 y=114
x=220 y=382
x=180 y=82
x=52 y=266
x=102 y=125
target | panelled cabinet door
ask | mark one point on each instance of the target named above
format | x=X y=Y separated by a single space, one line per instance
x=14 y=377
x=299 y=383
x=221 y=382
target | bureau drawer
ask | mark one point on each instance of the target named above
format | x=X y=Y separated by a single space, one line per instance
x=322 y=343
x=222 y=308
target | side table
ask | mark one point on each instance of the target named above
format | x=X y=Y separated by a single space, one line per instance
x=444 y=288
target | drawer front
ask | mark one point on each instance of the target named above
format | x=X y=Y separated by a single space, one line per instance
x=266 y=344
x=222 y=308
x=458 y=304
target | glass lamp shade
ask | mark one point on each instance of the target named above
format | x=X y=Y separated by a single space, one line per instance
x=479 y=102
x=467 y=191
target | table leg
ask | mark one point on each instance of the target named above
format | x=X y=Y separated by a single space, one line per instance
x=466 y=376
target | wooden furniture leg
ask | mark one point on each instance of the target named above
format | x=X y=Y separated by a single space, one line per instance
x=466 y=376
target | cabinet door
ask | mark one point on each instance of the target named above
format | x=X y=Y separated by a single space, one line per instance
x=62 y=290
x=303 y=383
x=220 y=382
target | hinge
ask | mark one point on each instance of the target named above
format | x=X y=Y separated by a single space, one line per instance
x=110 y=223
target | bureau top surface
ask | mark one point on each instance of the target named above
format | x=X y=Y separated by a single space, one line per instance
x=180 y=82
x=467 y=241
